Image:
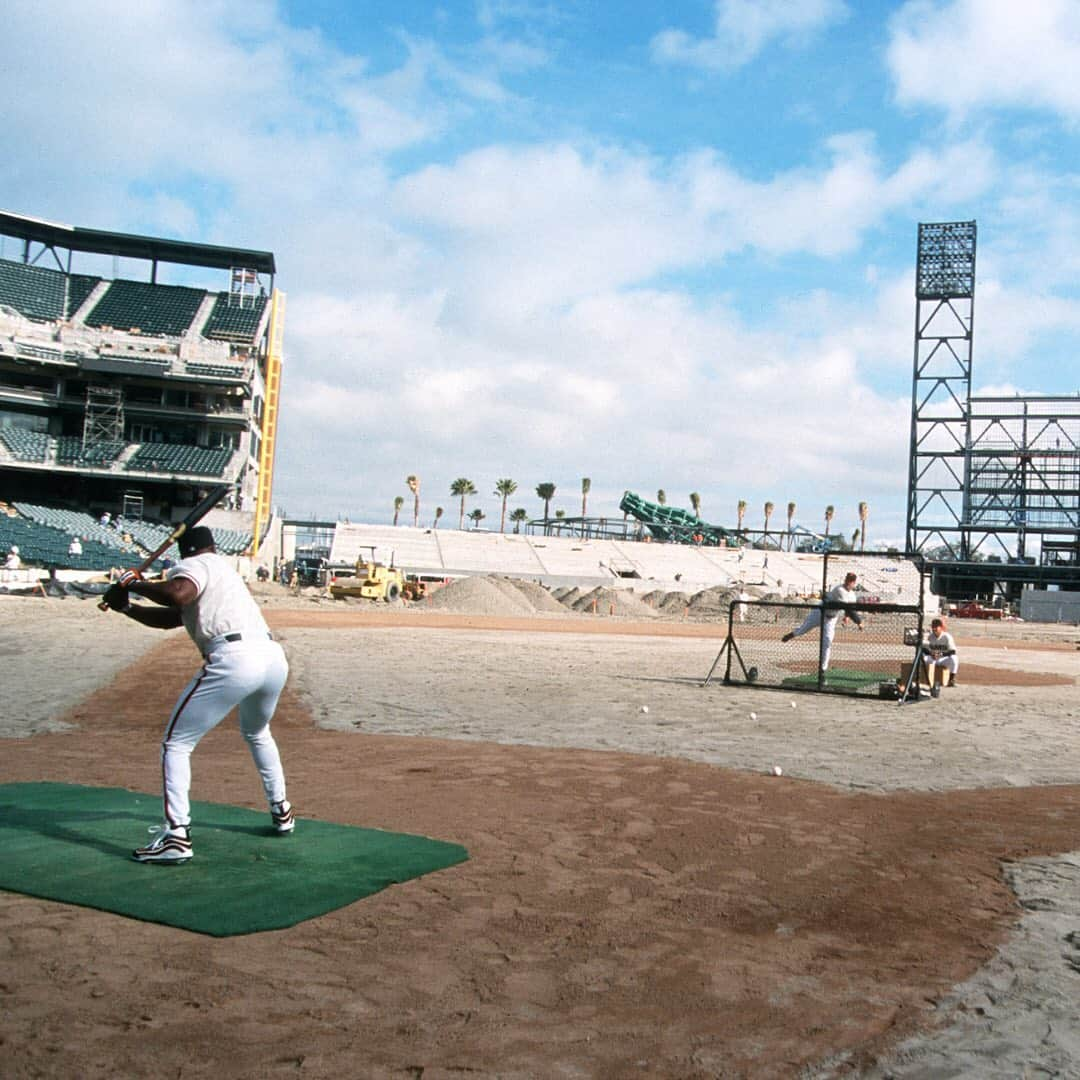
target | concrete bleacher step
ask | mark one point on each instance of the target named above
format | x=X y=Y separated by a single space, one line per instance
x=88 y=305
x=198 y=324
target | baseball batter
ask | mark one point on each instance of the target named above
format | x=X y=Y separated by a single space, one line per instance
x=828 y=615
x=243 y=668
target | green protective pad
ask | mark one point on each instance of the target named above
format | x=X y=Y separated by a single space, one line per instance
x=838 y=679
x=71 y=843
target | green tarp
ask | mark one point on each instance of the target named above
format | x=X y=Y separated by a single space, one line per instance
x=71 y=843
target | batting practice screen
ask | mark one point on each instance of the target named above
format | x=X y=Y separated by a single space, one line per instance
x=810 y=646
x=864 y=648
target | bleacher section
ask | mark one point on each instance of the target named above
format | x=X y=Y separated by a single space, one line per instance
x=69 y=451
x=151 y=309
x=47 y=545
x=103 y=545
x=32 y=291
x=232 y=320
x=215 y=371
x=178 y=458
x=42 y=294
x=631 y=564
x=25 y=445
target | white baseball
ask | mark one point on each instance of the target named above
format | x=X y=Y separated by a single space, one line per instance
x=793 y=705
x=644 y=708
x=753 y=716
x=777 y=771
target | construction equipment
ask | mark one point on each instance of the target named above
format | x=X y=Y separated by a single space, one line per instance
x=372 y=580
x=670 y=524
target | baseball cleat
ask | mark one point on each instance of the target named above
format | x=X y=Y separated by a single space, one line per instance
x=284 y=818
x=168 y=846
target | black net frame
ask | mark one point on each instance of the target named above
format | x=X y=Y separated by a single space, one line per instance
x=867 y=648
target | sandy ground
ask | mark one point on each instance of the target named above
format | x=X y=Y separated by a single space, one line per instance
x=644 y=896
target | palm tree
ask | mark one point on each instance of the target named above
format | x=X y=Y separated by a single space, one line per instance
x=769 y=508
x=661 y=497
x=438 y=514
x=695 y=502
x=586 y=487
x=414 y=487
x=476 y=516
x=518 y=516
x=547 y=493
x=741 y=509
x=864 y=513
x=790 y=514
x=830 y=510
x=399 y=502
x=560 y=514
x=505 y=488
x=462 y=487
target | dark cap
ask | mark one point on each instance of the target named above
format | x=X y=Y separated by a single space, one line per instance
x=195 y=539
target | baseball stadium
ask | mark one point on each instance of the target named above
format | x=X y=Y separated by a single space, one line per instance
x=639 y=795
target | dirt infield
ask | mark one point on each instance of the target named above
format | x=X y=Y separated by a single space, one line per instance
x=620 y=914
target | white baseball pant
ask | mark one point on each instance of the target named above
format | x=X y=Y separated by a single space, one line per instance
x=828 y=632
x=949 y=663
x=243 y=674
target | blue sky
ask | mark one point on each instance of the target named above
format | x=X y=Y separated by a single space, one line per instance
x=658 y=245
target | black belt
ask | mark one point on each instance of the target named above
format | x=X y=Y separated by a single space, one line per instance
x=232 y=638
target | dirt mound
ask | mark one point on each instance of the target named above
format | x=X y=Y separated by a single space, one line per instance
x=540 y=598
x=480 y=596
x=674 y=603
x=714 y=601
x=613 y=602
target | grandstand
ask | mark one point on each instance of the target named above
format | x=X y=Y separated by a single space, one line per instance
x=134 y=392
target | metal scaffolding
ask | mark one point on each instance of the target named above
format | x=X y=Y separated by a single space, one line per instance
x=941 y=387
x=986 y=475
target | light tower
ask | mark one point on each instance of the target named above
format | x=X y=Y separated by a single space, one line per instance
x=937 y=511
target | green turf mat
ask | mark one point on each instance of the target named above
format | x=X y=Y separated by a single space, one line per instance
x=844 y=680
x=71 y=843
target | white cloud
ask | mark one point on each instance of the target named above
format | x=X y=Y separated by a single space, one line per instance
x=530 y=228
x=515 y=310
x=973 y=54
x=743 y=28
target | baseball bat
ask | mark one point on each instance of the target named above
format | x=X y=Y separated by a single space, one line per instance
x=196 y=515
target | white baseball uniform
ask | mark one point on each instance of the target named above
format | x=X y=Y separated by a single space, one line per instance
x=941 y=652
x=836 y=596
x=244 y=668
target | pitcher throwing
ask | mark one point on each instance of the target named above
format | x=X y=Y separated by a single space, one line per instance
x=243 y=668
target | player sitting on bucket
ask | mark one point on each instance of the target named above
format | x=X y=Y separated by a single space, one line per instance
x=244 y=668
x=941 y=655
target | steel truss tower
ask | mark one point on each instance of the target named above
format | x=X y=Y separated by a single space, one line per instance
x=986 y=475
x=941 y=389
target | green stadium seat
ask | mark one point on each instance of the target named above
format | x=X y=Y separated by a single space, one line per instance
x=151 y=309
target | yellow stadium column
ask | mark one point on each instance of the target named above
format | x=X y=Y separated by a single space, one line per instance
x=268 y=433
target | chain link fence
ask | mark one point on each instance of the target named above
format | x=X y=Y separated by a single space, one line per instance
x=861 y=643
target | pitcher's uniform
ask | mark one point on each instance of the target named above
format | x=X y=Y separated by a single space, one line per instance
x=244 y=667
x=827 y=616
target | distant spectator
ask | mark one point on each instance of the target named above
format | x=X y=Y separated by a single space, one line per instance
x=263 y=573
x=13 y=562
x=106 y=517
x=75 y=547
x=744 y=596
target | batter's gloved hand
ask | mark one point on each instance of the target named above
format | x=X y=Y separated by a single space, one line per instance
x=128 y=578
x=116 y=597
